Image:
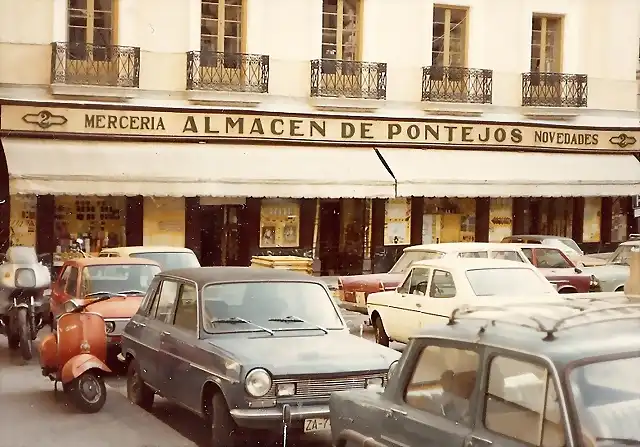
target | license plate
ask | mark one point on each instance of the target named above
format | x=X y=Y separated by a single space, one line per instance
x=316 y=425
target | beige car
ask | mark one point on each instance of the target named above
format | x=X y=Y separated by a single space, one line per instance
x=169 y=258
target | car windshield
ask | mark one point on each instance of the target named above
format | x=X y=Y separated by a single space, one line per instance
x=622 y=254
x=408 y=258
x=170 y=260
x=117 y=278
x=551 y=258
x=562 y=243
x=606 y=396
x=508 y=282
x=303 y=305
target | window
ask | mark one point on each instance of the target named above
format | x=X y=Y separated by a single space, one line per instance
x=170 y=260
x=90 y=23
x=64 y=278
x=221 y=27
x=419 y=281
x=507 y=255
x=149 y=301
x=442 y=285
x=167 y=298
x=406 y=284
x=118 y=278
x=72 y=283
x=279 y=223
x=521 y=402
x=340 y=23
x=473 y=254
x=548 y=258
x=407 y=259
x=449 y=43
x=186 y=316
x=514 y=282
x=443 y=382
x=528 y=252
x=546 y=44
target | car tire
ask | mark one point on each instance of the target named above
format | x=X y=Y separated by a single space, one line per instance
x=138 y=392
x=381 y=335
x=224 y=430
x=92 y=402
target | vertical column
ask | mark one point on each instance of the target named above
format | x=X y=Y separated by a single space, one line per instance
x=251 y=229
x=367 y=264
x=45 y=216
x=483 y=205
x=377 y=233
x=518 y=217
x=192 y=225
x=417 y=213
x=317 y=264
x=577 y=226
x=134 y=233
x=5 y=203
x=606 y=220
x=633 y=223
x=307 y=225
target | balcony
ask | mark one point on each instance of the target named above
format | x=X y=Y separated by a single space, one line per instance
x=554 y=90
x=76 y=68
x=457 y=85
x=215 y=71
x=348 y=79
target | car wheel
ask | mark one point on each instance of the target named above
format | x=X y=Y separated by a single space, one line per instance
x=224 y=430
x=381 y=335
x=88 y=392
x=138 y=392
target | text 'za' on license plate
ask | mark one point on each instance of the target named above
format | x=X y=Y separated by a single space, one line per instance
x=319 y=424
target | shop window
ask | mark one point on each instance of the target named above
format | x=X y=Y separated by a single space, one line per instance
x=562 y=216
x=500 y=219
x=546 y=44
x=164 y=221
x=448 y=220
x=449 y=45
x=591 y=225
x=98 y=221
x=279 y=224
x=618 y=220
x=221 y=32
x=340 y=22
x=397 y=222
x=23 y=220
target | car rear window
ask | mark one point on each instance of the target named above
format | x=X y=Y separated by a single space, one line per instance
x=408 y=258
x=170 y=260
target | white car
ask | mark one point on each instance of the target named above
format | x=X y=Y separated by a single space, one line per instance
x=432 y=289
x=168 y=257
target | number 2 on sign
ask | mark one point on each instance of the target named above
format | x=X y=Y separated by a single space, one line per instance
x=316 y=425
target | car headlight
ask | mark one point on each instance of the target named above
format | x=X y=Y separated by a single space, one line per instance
x=375 y=382
x=110 y=326
x=392 y=369
x=285 y=389
x=258 y=382
x=25 y=278
x=594 y=281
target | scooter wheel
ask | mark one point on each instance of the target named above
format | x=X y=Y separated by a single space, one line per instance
x=24 y=333
x=88 y=392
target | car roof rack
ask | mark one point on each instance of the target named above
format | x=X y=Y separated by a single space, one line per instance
x=507 y=314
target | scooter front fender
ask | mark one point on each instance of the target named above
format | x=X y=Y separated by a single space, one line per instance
x=79 y=364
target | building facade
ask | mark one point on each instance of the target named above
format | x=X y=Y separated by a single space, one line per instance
x=237 y=129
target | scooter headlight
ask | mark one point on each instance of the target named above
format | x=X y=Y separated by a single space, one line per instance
x=25 y=278
x=110 y=326
x=258 y=382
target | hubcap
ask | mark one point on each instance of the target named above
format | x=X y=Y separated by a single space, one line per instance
x=89 y=388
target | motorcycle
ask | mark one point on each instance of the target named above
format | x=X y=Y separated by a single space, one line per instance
x=75 y=355
x=24 y=303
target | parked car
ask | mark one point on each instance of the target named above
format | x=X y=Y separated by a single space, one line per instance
x=614 y=273
x=238 y=345
x=354 y=290
x=431 y=290
x=547 y=376
x=566 y=244
x=84 y=279
x=168 y=258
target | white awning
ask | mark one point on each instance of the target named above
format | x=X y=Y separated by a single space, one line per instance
x=192 y=169
x=472 y=173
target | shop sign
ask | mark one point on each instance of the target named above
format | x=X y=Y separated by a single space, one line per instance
x=306 y=128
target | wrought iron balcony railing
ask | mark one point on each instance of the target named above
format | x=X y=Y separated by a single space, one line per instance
x=554 y=90
x=457 y=84
x=88 y=64
x=348 y=79
x=229 y=72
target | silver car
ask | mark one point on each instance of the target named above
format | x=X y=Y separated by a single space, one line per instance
x=614 y=273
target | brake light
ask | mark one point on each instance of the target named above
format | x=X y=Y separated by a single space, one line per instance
x=381 y=285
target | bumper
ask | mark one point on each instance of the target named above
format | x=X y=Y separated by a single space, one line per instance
x=271 y=418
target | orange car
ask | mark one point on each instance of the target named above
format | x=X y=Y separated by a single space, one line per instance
x=125 y=279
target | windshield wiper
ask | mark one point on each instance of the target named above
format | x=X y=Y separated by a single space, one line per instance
x=294 y=319
x=131 y=292
x=623 y=441
x=236 y=320
x=103 y=293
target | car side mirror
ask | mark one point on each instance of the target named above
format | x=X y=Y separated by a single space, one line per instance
x=577 y=270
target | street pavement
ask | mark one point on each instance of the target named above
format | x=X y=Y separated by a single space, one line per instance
x=32 y=414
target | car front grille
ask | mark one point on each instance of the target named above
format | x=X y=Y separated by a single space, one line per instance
x=321 y=388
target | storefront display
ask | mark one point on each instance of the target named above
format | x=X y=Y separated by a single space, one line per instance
x=23 y=220
x=164 y=221
x=279 y=224
x=397 y=222
x=98 y=221
x=500 y=219
x=562 y=223
x=618 y=220
x=591 y=226
x=448 y=220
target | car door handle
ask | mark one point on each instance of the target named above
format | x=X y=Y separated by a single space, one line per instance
x=396 y=412
x=166 y=333
x=136 y=324
x=476 y=441
x=418 y=305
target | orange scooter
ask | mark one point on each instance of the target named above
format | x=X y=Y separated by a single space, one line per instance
x=75 y=356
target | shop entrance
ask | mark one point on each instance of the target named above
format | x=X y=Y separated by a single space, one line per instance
x=221 y=236
x=341 y=236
